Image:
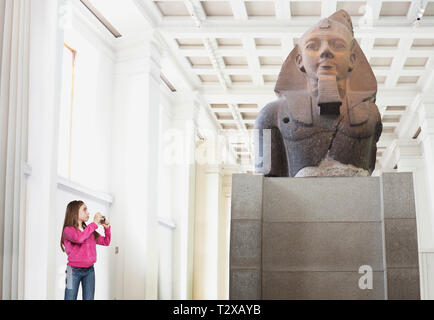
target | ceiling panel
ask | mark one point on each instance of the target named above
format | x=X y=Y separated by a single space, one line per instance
x=305 y=8
x=172 y=8
x=217 y=8
x=260 y=8
x=394 y=8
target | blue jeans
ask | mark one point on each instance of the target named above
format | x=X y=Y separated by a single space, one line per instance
x=76 y=275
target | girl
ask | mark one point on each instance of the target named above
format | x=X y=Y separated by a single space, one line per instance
x=80 y=242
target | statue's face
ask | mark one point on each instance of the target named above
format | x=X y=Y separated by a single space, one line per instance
x=326 y=52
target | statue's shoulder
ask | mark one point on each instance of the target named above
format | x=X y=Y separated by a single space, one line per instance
x=300 y=108
x=363 y=112
x=374 y=112
x=364 y=119
x=275 y=105
x=375 y=119
x=267 y=117
x=295 y=106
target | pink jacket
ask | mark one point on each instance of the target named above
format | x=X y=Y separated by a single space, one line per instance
x=80 y=246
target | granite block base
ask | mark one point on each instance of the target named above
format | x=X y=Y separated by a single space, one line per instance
x=323 y=238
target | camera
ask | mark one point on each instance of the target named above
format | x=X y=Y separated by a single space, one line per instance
x=102 y=220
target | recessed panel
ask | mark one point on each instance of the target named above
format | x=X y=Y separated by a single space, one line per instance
x=189 y=43
x=396 y=108
x=267 y=42
x=260 y=8
x=209 y=78
x=229 y=42
x=386 y=42
x=242 y=78
x=235 y=61
x=172 y=8
x=241 y=149
x=389 y=130
x=408 y=79
x=249 y=115
x=270 y=78
x=415 y=62
x=229 y=126
x=381 y=61
x=247 y=106
x=429 y=10
x=422 y=43
x=270 y=61
x=219 y=105
x=224 y=116
x=390 y=119
x=199 y=61
x=394 y=8
x=217 y=8
x=305 y=8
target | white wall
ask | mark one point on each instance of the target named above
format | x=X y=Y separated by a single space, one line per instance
x=91 y=145
x=166 y=206
x=411 y=155
x=92 y=106
x=182 y=137
x=112 y=114
x=135 y=167
x=43 y=96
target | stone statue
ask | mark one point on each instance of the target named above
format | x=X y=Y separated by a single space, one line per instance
x=325 y=122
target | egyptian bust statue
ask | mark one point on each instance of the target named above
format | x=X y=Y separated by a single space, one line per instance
x=325 y=121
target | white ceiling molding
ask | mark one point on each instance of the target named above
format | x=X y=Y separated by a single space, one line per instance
x=71 y=186
x=197 y=13
x=101 y=18
x=85 y=23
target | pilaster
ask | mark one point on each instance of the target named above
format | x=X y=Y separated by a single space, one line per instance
x=135 y=163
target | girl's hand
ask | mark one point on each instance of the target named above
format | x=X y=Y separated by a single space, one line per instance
x=97 y=218
x=106 y=224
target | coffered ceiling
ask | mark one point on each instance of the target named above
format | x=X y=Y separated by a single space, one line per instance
x=231 y=51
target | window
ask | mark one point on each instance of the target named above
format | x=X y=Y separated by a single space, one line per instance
x=66 y=112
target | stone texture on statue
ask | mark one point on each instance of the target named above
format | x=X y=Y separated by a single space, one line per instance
x=326 y=108
x=332 y=168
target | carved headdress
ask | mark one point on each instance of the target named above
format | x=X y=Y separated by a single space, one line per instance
x=361 y=83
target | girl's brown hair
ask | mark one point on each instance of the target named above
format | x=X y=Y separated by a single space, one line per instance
x=71 y=219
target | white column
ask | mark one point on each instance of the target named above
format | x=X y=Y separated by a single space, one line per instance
x=208 y=190
x=41 y=240
x=224 y=234
x=417 y=156
x=14 y=70
x=408 y=155
x=426 y=137
x=179 y=153
x=135 y=165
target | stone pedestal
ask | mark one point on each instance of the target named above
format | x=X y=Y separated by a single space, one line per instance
x=308 y=238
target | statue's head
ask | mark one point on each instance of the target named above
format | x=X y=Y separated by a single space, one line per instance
x=328 y=56
x=326 y=49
